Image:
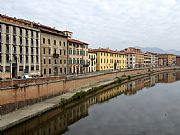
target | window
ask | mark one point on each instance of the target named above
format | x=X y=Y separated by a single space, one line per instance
x=60 y=43
x=20 y=32
x=32 y=59
x=14 y=30
x=32 y=34
x=44 y=50
x=14 y=49
x=49 y=50
x=64 y=61
x=64 y=43
x=7 y=58
x=0 y=38
x=32 y=68
x=37 y=51
x=7 y=49
x=44 y=71
x=0 y=47
x=20 y=39
x=27 y=50
x=60 y=52
x=37 y=60
x=44 y=61
x=14 y=40
x=7 y=39
x=21 y=50
x=49 y=41
x=64 y=52
x=27 y=59
x=37 y=35
x=37 y=67
x=44 y=41
x=0 y=58
x=49 y=61
x=49 y=70
x=54 y=42
x=60 y=70
x=60 y=61
x=64 y=70
x=7 y=29
x=27 y=33
x=55 y=50
x=32 y=42
x=27 y=42
x=32 y=50
x=0 y=27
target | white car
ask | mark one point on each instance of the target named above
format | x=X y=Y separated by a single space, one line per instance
x=26 y=77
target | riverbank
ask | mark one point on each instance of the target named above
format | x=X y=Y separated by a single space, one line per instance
x=21 y=115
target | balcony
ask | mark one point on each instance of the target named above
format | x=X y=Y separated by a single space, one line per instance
x=55 y=55
x=86 y=65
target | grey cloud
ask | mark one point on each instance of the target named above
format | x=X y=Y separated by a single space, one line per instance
x=106 y=23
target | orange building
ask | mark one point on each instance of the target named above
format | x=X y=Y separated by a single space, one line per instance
x=167 y=59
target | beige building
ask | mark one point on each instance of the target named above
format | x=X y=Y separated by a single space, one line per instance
x=147 y=60
x=178 y=60
x=53 y=51
x=150 y=59
x=167 y=59
x=78 y=61
x=92 y=61
x=19 y=47
x=135 y=58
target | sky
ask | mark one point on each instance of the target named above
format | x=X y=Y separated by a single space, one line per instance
x=116 y=24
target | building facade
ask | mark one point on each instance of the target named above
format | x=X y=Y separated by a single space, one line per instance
x=167 y=59
x=147 y=60
x=53 y=51
x=78 y=61
x=135 y=57
x=92 y=61
x=19 y=47
x=150 y=59
x=131 y=60
x=178 y=60
x=110 y=60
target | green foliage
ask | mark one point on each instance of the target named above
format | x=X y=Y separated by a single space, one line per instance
x=129 y=77
x=63 y=101
x=78 y=95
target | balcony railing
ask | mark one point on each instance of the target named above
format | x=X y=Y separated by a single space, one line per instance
x=55 y=55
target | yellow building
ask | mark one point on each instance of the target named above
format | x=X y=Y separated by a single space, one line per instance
x=110 y=60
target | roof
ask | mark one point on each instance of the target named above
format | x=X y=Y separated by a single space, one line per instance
x=31 y=24
x=107 y=50
x=76 y=41
x=166 y=54
x=68 y=31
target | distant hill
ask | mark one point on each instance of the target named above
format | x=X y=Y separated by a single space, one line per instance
x=158 y=50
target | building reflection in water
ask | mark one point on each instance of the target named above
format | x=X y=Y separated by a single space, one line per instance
x=58 y=120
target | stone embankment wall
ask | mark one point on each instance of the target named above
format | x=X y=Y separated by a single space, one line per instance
x=12 y=98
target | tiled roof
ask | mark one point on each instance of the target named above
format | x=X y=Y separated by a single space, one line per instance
x=107 y=50
x=76 y=41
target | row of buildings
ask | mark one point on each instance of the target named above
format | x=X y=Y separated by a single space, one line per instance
x=37 y=50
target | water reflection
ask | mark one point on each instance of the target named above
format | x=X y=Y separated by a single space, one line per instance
x=58 y=120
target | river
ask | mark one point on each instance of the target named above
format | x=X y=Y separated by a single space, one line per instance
x=147 y=106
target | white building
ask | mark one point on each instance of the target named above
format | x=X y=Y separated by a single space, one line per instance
x=92 y=61
x=131 y=60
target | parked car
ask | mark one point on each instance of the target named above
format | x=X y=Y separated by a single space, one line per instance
x=26 y=77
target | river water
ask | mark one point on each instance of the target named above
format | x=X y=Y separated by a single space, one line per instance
x=148 y=106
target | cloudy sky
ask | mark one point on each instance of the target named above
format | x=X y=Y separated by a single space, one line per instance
x=106 y=23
